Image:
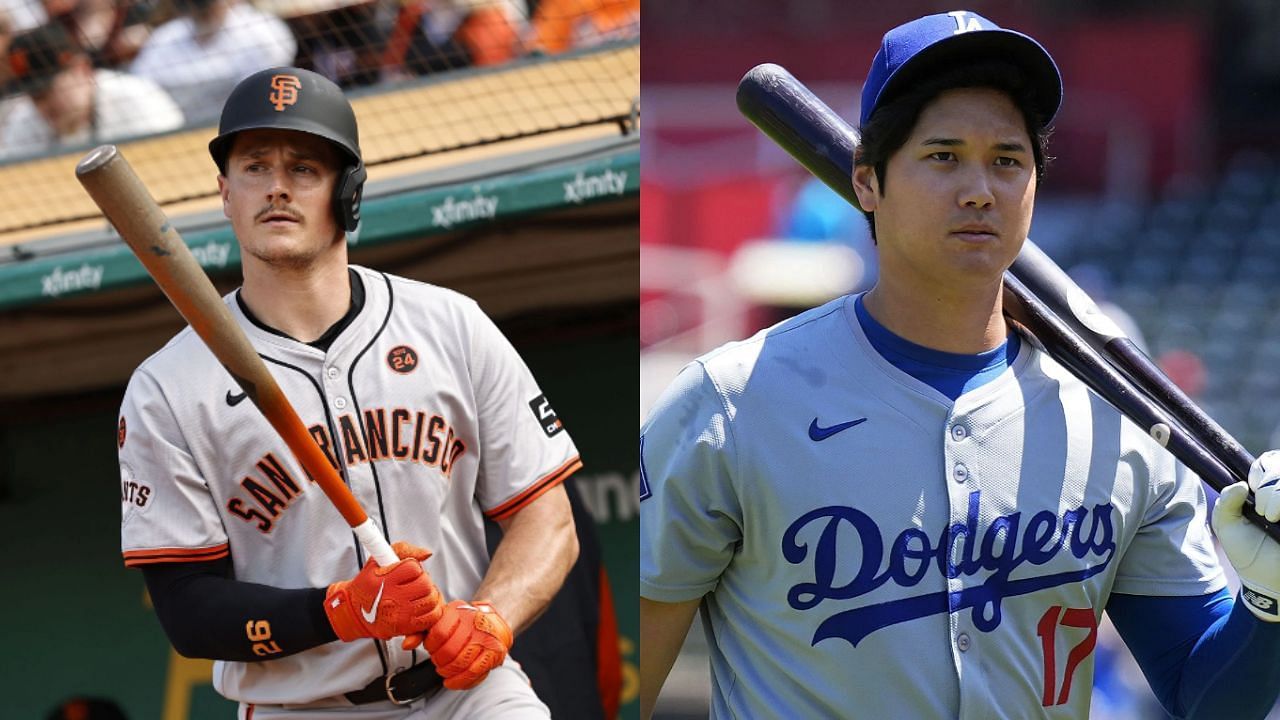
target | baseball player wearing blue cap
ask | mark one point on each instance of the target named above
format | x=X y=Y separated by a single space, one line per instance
x=894 y=505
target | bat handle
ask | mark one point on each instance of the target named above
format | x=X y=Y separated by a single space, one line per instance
x=374 y=544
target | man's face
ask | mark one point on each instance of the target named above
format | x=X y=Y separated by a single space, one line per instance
x=278 y=194
x=959 y=194
x=67 y=104
x=208 y=15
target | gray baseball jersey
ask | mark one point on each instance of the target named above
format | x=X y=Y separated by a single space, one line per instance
x=867 y=548
x=424 y=406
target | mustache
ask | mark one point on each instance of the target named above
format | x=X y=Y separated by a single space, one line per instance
x=286 y=210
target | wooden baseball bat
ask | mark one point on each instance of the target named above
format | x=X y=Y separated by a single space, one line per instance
x=113 y=185
x=1070 y=302
x=808 y=130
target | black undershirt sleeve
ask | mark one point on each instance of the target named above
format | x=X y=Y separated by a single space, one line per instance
x=207 y=614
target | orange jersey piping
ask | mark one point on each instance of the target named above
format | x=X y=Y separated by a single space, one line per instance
x=134 y=558
x=535 y=490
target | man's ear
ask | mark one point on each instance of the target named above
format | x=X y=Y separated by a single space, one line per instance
x=866 y=186
x=224 y=190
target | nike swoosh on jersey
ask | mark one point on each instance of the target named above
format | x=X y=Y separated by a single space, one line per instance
x=372 y=613
x=818 y=434
x=234 y=400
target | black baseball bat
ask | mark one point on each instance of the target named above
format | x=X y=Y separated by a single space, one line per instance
x=808 y=130
x=1060 y=341
x=1070 y=302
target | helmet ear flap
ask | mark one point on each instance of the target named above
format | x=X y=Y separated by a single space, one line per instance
x=347 y=194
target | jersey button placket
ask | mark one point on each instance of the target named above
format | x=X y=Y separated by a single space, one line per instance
x=958 y=497
x=958 y=432
x=333 y=387
x=958 y=453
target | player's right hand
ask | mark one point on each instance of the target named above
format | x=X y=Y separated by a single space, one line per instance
x=385 y=602
x=1255 y=557
x=470 y=640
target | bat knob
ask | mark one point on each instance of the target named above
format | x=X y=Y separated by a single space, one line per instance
x=96 y=159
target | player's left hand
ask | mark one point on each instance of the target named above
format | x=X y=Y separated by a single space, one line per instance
x=468 y=641
x=1255 y=557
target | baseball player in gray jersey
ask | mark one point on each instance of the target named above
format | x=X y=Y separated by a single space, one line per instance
x=894 y=505
x=413 y=394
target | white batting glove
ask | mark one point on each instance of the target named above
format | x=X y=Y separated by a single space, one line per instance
x=1255 y=557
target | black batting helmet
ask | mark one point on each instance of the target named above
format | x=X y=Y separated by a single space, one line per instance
x=289 y=98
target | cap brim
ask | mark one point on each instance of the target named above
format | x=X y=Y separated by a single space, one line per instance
x=968 y=47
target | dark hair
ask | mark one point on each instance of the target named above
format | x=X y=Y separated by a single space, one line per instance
x=888 y=128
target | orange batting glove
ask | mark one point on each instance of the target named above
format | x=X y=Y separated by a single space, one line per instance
x=468 y=641
x=385 y=602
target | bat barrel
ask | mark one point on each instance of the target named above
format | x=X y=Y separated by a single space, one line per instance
x=794 y=118
x=96 y=158
x=112 y=183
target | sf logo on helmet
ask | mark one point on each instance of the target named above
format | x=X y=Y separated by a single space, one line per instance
x=284 y=90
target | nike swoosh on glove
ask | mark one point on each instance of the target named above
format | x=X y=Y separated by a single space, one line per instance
x=385 y=602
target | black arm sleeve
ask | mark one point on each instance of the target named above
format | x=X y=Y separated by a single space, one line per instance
x=207 y=614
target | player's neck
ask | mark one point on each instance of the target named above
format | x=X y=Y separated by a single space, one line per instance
x=300 y=302
x=967 y=322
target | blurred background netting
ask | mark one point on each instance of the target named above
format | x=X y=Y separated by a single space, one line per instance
x=76 y=73
x=1163 y=200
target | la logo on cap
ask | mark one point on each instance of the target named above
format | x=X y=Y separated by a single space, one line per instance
x=284 y=91
x=964 y=22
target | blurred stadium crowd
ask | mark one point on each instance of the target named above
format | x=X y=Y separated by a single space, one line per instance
x=1163 y=200
x=78 y=72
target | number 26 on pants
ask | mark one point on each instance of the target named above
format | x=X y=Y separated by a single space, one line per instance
x=1047 y=629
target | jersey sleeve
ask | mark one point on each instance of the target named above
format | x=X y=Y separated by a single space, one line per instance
x=167 y=511
x=690 y=513
x=525 y=450
x=1172 y=552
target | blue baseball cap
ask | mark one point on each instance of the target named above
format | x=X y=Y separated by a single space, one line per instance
x=929 y=44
